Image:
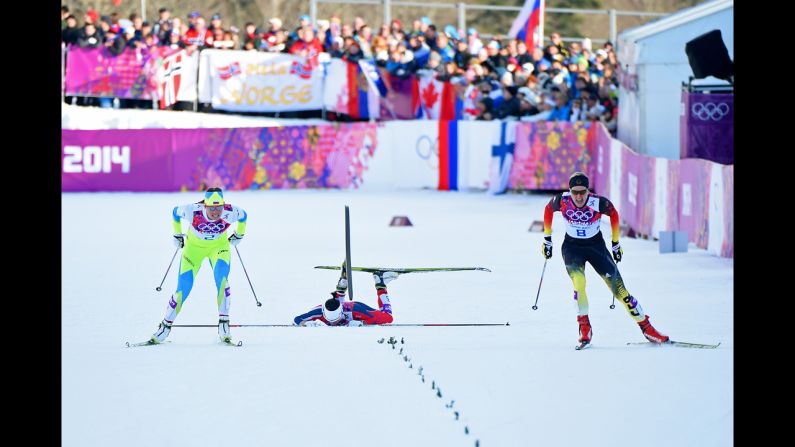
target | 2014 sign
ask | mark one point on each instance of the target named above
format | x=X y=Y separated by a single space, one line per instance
x=95 y=159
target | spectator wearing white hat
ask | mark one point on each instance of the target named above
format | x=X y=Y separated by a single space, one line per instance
x=527 y=69
x=473 y=41
x=528 y=102
x=587 y=44
x=275 y=24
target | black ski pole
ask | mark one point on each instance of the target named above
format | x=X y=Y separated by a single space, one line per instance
x=249 y=279
x=348 y=269
x=539 y=284
x=160 y=287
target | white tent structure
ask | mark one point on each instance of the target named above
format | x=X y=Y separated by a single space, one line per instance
x=654 y=65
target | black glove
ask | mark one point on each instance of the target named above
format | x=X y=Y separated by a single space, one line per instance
x=546 y=247
x=617 y=251
x=179 y=240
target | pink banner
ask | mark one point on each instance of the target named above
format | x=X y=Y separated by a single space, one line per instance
x=687 y=198
x=693 y=199
x=116 y=160
x=97 y=72
x=327 y=156
x=727 y=248
x=637 y=191
x=599 y=141
x=546 y=154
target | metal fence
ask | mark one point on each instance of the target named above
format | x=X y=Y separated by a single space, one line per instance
x=462 y=9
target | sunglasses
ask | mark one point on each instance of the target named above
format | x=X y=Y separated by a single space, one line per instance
x=575 y=192
x=215 y=208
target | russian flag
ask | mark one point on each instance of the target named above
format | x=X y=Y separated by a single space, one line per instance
x=448 y=155
x=527 y=23
x=363 y=97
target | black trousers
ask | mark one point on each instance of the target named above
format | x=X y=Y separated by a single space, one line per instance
x=576 y=252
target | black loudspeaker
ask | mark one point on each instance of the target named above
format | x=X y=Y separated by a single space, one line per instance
x=708 y=56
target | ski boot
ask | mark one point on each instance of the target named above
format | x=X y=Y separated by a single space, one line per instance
x=650 y=333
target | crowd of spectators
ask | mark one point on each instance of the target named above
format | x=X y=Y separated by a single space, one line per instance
x=500 y=77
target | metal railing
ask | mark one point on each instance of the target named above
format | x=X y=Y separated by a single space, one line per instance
x=462 y=9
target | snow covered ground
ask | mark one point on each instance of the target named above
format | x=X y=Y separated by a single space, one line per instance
x=517 y=385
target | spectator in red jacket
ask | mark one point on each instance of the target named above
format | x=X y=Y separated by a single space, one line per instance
x=198 y=37
x=308 y=46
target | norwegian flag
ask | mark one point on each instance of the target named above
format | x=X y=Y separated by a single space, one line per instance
x=303 y=71
x=227 y=71
x=171 y=80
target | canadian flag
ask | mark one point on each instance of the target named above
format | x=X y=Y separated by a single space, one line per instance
x=437 y=99
x=168 y=87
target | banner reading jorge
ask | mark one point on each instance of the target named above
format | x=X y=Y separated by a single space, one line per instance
x=247 y=81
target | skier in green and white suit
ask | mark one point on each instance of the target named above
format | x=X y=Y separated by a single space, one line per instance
x=208 y=221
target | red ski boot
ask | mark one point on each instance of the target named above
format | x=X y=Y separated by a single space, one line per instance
x=650 y=333
x=585 y=329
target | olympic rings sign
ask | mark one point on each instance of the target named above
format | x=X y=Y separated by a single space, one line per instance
x=706 y=111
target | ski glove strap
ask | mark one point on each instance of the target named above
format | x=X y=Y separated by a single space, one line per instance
x=546 y=247
x=617 y=251
x=235 y=239
x=179 y=240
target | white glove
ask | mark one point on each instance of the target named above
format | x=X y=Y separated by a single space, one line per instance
x=235 y=239
x=179 y=240
x=355 y=323
x=312 y=323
